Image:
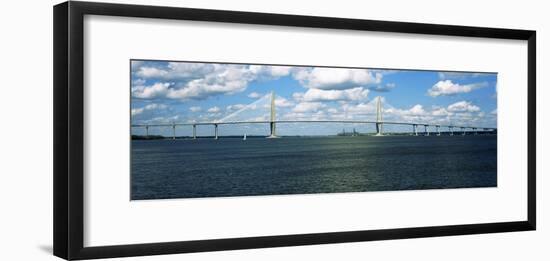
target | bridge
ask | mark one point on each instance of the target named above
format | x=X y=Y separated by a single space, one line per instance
x=379 y=124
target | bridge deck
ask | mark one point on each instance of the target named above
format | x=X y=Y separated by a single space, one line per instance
x=311 y=121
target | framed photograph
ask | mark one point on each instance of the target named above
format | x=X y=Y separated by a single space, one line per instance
x=183 y=130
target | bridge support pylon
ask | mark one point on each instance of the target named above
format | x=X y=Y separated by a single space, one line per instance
x=173 y=131
x=272 y=131
x=415 y=130
x=215 y=131
x=379 y=129
x=378 y=116
x=194 y=131
x=451 y=131
x=272 y=126
x=426 y=131
x=437 y=130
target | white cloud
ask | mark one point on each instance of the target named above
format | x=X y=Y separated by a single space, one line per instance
x=202 y=80
x=416 y=110
x=353 y=109
x=279 y=71
x=269 y=71
x=336 y=78
x=181 y=70
x=396 y=114
x=282 y=102
x=138 y=82
x=298 y=96
x=175 y=71
x=312 y=95
x=332 y=110
x=440 y=112
x=151 y=72
x=447 y=87
x=229 y=80
x=148 y=107
x=137 y=111
x=235 y=107
x=195 y=108
x=308 y=107
x=214 y=109
x=254 y=95
x=147 y=92
x=463 y=106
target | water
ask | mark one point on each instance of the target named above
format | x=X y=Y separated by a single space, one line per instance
x=232 y=167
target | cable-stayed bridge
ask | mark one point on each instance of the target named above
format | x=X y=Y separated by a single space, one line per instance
x=272 y=121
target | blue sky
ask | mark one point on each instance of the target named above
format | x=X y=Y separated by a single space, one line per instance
x=183 y=92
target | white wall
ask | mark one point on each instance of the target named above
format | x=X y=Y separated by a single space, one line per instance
x=26 y=129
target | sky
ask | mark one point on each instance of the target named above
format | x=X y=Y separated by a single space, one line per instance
x=185 y=92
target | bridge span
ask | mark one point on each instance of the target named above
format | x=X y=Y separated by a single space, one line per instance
x=379 y=123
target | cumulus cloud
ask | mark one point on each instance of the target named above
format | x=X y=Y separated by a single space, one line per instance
x=416 y=110
x=254 y=95
x=336 y=78
x=447 y=88
x=463 y=106
x=148 y=107
x=179 y=70
x=214 y=109
x=463 y=112
x=439 y=111
x=228 y=80
x=151 y=72
x=298 y=96
x=200 y=80
x=195 y=108
x=332 y=110
x=137 y=111
x=153 y=91
x=282 y=102
x=308 y=107
x=270 y=71
x=235 y=107
x=137 y=82
x=312 y=95
x=173 y=70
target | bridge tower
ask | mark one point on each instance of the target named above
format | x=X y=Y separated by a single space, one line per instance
x=378 y=116
x=272 y=126
x=173 y=130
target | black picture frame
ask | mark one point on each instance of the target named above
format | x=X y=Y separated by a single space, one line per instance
x=69 y=128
